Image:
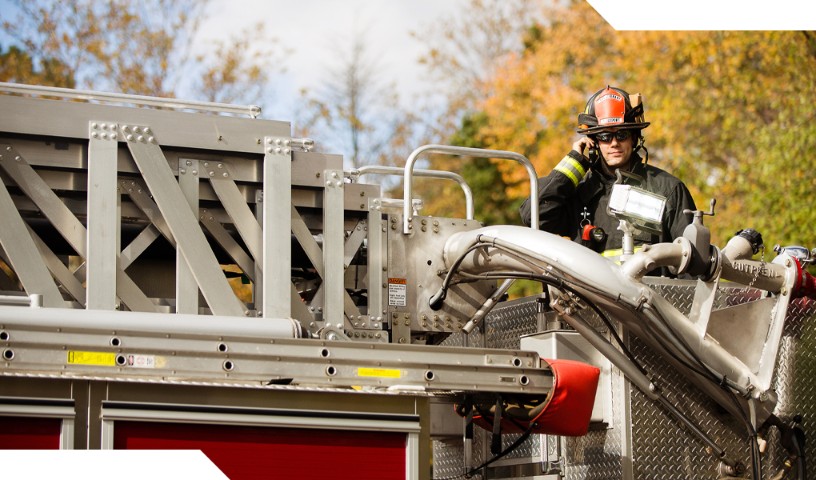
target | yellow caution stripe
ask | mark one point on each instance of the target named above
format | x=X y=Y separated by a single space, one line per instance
x=379 y=372
x=105 y=359
x=617 y=252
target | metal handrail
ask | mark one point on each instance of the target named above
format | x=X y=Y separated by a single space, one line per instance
x=90 y=95
x=442 y=174
x=470 y=152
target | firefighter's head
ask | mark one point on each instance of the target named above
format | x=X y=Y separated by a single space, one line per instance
x=613 y=124
x=611 y=109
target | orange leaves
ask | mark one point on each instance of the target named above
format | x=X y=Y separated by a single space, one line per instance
x=721 y=105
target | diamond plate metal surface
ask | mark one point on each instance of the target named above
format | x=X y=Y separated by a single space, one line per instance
x=662 y=449
x=505 y=325
x=643 y=442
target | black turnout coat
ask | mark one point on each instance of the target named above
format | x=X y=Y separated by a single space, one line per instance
x=563 y=206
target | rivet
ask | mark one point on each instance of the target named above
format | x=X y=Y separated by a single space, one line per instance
x=150 y=139
x=95 y=135
x=140 y=138
x=135 y=129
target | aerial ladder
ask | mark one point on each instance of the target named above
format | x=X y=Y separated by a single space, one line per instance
x=181 y=269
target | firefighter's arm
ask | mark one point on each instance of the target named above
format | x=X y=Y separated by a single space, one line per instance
x=554 y=193
x=676 y=221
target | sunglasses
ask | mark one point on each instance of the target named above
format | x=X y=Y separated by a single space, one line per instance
x=620 y=136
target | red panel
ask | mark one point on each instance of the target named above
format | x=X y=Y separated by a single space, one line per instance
x=29 y=433
x=276 y=453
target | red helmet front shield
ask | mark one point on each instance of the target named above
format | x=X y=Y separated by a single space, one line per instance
x=610 y=107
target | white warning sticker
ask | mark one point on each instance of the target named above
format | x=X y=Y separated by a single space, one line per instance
x=141 y=361
x=397 y=292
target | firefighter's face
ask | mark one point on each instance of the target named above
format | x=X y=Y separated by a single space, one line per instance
x=615 y=149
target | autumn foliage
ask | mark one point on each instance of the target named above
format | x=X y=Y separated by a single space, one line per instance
x=732 y=113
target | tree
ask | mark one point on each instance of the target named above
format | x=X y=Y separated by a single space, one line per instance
x=466 y=50
x=113 y=45
x=357 y=110
x=729 y=111
x=133 y=47
x=236 y=70
x=17 y=66
x=465 y=53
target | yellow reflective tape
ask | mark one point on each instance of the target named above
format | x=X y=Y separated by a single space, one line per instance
x=569 y=174
x=572 y=169
x=577 y=165
x=104 y=359
x=379 y=372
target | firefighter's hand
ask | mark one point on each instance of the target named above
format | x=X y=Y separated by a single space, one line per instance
x=582 y=145
x=587 y=148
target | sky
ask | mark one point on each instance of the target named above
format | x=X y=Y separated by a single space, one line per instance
x=313 y=30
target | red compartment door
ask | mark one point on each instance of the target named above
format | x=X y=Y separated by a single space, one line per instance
x=244 y=452
x=30 y=433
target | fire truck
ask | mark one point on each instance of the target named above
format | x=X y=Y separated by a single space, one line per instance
x=189 y=276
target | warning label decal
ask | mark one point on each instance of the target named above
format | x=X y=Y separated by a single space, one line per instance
x=397 y=292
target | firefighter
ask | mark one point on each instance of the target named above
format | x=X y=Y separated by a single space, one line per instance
x=573 y=198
